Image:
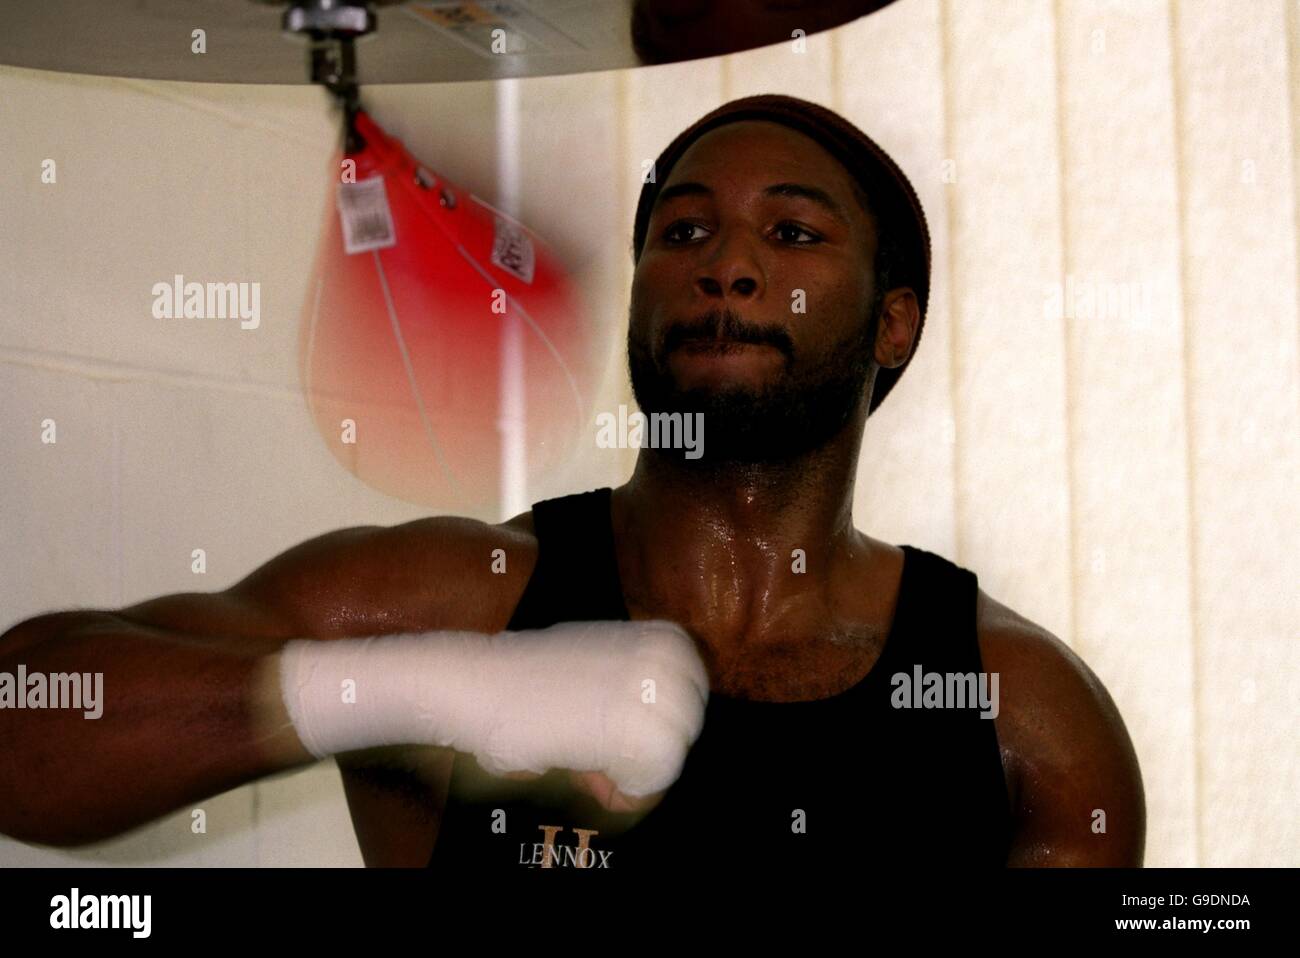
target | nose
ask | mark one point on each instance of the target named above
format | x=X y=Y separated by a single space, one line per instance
x=732 y=269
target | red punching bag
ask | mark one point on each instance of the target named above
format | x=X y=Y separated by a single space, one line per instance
x=443 y=344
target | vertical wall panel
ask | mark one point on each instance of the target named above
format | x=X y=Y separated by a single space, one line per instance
x=1239 y=278
x=1005 y=226
x=1119 y=300
x=891 y=86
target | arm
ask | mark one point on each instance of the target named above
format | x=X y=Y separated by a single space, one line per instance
x=1067 y=751
x=191 y=694
x=396 y=795
x=182 y=719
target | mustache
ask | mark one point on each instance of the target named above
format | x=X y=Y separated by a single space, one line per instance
x=725 y=324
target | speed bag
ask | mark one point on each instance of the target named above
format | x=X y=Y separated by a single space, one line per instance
x=443 y=344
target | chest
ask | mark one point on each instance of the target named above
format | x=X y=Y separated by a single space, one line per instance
x=793 y=674
x=819 y=664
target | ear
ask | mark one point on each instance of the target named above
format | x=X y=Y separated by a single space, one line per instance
x=900 y=314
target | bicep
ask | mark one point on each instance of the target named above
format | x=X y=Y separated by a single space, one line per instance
x=1081 y=804
x=273 y=602
x=1080 y=798
x=433 y=573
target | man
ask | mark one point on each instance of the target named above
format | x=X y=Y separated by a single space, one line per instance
x=707 y=667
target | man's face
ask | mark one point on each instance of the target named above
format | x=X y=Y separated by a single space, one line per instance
x=750 y=300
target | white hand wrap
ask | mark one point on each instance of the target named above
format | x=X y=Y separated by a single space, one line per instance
x=623 y=698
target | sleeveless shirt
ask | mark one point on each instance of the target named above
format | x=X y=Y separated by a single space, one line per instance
x=855 y=781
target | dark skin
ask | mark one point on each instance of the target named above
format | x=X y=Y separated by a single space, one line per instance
x=192 y=702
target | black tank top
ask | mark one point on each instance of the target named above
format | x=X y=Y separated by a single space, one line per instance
x=844 y=782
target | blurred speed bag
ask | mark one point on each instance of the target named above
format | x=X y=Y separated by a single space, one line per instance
x=443 y=345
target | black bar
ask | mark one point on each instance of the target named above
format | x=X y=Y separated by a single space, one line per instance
x=328 y=907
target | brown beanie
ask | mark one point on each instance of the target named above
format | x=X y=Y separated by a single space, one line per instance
x=897 y=208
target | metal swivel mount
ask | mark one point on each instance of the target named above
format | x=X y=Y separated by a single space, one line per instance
x=331 y=27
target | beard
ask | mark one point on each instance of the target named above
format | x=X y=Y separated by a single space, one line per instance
x=803 y=409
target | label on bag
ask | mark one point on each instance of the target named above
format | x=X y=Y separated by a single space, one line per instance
x=367 y=220
x=512 y=249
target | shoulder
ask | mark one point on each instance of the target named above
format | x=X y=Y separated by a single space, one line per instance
x=1009 y=639
x=440 y=572
x=1075 y=784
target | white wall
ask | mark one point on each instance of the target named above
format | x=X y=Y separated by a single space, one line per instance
x=1125 y=480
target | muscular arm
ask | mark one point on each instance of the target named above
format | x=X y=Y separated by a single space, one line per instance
x=191 y=700
x=396 y=795
x=1066 y=748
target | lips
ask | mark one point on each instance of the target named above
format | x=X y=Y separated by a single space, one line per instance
x=709 y=357
x=721 y=346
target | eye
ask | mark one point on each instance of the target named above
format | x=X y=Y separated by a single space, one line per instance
x=674 y=231
x=787 y=228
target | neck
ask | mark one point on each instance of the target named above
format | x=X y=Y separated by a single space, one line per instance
x=714 y=548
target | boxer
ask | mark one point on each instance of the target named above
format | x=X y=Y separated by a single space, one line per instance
x=642 y=643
